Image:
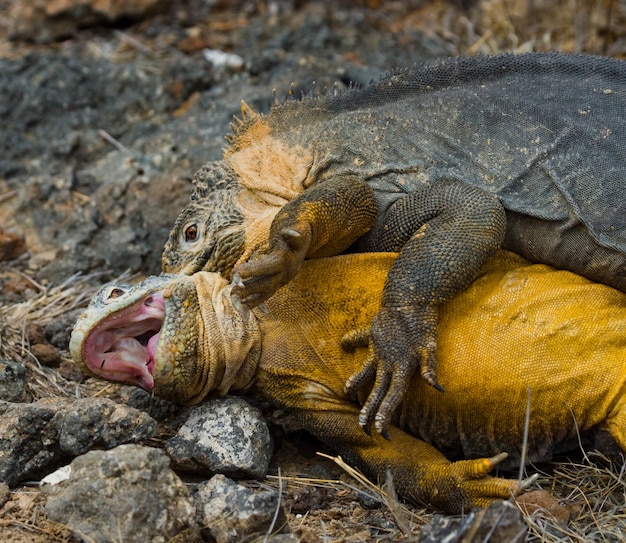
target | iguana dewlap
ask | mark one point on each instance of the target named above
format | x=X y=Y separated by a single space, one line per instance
x=444 y=163
x=518 y=326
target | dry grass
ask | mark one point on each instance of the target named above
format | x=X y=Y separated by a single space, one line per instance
x=594 y=491
x=494 y=26
x=42 y=306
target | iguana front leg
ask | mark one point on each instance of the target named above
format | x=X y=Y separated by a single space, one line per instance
x=420 y=472
x=323 y=221
x=445 y=233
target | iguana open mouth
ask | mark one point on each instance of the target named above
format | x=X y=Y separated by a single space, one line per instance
x=123 y=347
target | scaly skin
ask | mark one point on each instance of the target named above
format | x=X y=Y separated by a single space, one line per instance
x=443 y=163
x=518 y=326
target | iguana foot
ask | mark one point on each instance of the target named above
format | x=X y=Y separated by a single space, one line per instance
x=401 y=341
x=466 y=483
x=256 y=280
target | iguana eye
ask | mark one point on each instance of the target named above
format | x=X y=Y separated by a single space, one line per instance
x=191 y=233
x=114 y=292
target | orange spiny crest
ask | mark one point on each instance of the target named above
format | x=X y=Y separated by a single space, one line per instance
x=238 y=123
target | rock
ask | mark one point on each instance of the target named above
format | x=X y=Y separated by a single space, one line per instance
x=46 y=354
x=223 y=60
x=100 y=422
x=71 y=372
x=11 y=245
x=38 y=437
x=35 y=333
x=126 y=494
x=58 y=331
x=13 y=384
x=541 y=503
x=86 y=155
x=501 y=522
x=233 y=512
x=226 y=436
x=45 y=20
x=158 y=408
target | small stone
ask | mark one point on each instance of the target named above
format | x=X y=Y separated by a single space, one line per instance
x=35 y=333
x=71 y=372
x=221 y=59
x=233 y=512
x=11 y=245
x=501 y=522
x=13 y=383
x=225 y=435
x=46 y=354
x=541 y=502
x=5 y=493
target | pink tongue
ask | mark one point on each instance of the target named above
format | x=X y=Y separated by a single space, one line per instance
x=130 y=350
x=152 y=347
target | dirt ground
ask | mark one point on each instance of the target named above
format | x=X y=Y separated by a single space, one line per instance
x=320 y=497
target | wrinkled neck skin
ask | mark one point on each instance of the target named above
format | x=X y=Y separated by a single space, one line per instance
x=217 y=350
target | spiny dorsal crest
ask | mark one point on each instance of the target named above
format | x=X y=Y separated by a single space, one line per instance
x=237 y=124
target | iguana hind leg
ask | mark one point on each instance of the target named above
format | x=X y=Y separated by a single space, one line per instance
x=445 y=233
x=419 y=471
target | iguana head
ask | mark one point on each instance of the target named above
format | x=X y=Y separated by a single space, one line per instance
x=224 y=224
x=209 y=233
x=177 y=336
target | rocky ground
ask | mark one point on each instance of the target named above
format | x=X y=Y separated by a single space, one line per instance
x=108 y=108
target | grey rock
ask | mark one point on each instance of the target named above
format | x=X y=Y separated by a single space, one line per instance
x=226 y=436
x=88 y=423
x=13 y=385
x=233 y=512
x=38 y=437
x=126 y=494
x=42 y=91
x=72 y=129
x=501 y=522
x=158 y=408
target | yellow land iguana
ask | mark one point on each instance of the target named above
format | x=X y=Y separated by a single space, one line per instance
x=518 y=326
x=444 y=163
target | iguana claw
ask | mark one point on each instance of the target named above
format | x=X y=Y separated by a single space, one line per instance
x=260 y=277
x=237 y=280
x=241 y=308
x=391 y=365
x=525 y=484
x=290 y=233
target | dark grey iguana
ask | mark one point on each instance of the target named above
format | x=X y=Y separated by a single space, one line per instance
x=517 y=326
x=444 y=163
